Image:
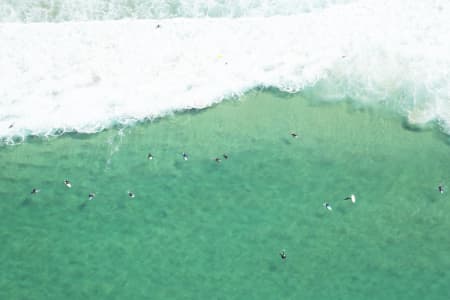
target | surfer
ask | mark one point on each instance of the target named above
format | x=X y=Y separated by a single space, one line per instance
x=67 y=183
x=217 y=160
x=149 y=156
x=294 y=135
x=283 y=254
x=185 y=156
x=351 y=197
x=91 y=196
x=441 y=189
x=131 y=195
x=327 y=206
x=35 y=191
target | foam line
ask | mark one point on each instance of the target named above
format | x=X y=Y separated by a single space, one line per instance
x=87 y=76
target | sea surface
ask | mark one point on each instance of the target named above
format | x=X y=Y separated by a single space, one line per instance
x=89 y=88
x=198 y=229
x=65 y=72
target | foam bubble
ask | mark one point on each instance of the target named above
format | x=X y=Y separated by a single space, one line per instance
x=87 y=76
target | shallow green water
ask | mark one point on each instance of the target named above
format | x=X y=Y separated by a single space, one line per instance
x=202 y=230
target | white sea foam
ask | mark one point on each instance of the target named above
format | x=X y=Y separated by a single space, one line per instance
x=86 y=76
x=83 y=10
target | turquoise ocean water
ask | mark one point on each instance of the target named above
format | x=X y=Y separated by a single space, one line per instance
x=198 y=229
x=89 y=88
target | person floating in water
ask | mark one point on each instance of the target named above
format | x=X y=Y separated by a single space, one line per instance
x=131 y=195
x=217 y=160
x=294 y=135
x=91 y=196
x=35 y=191
x=149 y=156
x=185 y=156
x=351 y=197
x=225 y=156
x=327 y=206
x=441 y=189
x=67 y=183
x=283 y=254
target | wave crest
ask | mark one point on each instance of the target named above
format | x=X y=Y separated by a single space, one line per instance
x=92 y=75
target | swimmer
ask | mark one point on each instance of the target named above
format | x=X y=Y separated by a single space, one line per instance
x=217 y=160
x=149 y=156
x=225 y=156
x=131 y=195
x=294 y=135
x=35 y=191
x=351 y=197
x=185 y=156
x=441 y=189
x=11 y=126
x=158 y=26
x=67 y=183
x=283 y=254
x=91 y=196
x=327 y=206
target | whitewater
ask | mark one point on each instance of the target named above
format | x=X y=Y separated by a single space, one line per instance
x=85 y=75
